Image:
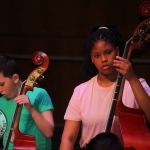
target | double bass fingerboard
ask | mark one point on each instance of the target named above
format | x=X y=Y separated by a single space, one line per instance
x=116 y=91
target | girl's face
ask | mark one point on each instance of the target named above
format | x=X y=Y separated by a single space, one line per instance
x=102 y=55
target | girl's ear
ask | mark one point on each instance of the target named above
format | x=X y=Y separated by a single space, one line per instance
x=91 y=58
x=15 y=78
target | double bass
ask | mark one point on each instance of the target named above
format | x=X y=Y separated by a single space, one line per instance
x=133 y=126
x=23 y=141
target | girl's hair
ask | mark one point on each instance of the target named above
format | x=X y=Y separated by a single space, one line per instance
x=105 y=32
x=8 y=66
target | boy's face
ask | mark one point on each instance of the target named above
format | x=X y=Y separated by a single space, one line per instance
x=7 y=86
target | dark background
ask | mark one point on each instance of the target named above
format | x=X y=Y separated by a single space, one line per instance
x=59 y=28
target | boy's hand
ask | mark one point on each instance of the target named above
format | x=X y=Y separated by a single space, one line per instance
x=23 y=99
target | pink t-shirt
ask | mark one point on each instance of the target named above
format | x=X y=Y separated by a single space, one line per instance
x=90 y=103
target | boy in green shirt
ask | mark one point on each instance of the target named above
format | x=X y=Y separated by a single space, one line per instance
x=37 y=112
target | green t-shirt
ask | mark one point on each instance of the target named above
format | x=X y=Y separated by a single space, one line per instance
x=41 y=101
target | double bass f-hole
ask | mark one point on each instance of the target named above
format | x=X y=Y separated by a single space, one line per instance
x=20 y=140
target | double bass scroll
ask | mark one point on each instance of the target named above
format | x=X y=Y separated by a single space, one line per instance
x=145 y=8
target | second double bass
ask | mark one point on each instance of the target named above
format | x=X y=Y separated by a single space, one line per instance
x=133 y=124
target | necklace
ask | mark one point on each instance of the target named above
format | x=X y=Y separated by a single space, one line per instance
x=102 y=97
x=105 y=92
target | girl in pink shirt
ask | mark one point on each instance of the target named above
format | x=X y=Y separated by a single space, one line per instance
x=90 y=103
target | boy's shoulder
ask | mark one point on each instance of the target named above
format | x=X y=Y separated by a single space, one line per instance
x=37 y=90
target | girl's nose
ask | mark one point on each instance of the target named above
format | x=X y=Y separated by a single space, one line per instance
x=104 y=59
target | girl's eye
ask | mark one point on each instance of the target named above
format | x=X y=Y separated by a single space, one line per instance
x=96 y=55
x=108 y=52
x=1 y=84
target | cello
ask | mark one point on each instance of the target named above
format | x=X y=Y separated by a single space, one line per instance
x=23 y=141
x=134 y=131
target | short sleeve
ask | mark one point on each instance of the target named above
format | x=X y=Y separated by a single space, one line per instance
x=45 y=101
x=128 y=96
x=73 y=109
x=145 y=86
x=40 y=99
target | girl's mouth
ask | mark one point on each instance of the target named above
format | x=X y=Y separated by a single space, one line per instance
x=105 y=67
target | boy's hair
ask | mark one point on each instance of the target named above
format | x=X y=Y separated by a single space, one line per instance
x=105 y=141
x=8 y=66
x=105 y=32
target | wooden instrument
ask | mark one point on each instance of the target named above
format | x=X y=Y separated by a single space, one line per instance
x=24 y=141
x=134 y=130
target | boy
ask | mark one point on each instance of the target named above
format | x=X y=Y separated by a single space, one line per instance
x=37 y=112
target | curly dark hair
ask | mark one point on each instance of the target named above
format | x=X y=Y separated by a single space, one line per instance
x=110 y=34
x=105 y=141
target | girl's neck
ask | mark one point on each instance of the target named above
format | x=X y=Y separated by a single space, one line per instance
x=106 y=80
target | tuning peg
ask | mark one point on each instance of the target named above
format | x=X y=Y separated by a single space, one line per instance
x=42 y=76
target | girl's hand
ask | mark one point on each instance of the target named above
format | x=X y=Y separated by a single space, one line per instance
x=124 y=67
x=23 y=99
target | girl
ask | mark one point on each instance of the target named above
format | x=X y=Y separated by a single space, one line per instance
x=90 y=103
